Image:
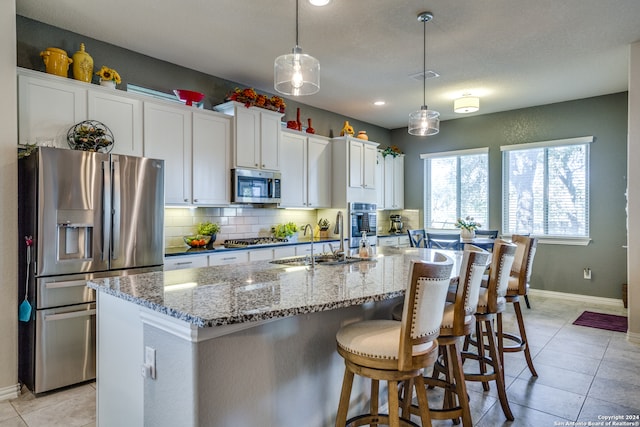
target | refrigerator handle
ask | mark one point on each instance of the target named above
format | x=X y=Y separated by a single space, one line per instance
x=116 y=210
x=106 y=211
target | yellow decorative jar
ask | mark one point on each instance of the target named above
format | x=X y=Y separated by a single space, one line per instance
x=82 y=65
x=56 y=61
x=363 y=135
x=347 y=129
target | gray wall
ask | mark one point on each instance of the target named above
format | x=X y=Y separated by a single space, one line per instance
x=556 y=267
x=33 y=37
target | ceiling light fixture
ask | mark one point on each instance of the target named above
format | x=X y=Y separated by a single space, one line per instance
x=296 y=73
x=319 y=2
x=424 y=122
x=466 y=104
x=379 y=103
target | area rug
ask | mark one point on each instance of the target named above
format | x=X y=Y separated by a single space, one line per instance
x=610 y=322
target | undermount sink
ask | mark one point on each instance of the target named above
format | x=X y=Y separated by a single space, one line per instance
x=322 y=259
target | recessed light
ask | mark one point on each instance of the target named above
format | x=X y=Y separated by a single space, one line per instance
x=379 y=103
x=319 y=2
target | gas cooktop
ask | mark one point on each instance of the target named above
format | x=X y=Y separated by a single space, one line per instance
x=253 y=241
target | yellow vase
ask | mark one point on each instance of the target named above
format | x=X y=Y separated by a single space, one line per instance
x=347 y=129
x=56 y=61
x=82 y=65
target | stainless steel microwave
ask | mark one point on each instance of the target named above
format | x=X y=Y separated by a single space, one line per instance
x=255 y=186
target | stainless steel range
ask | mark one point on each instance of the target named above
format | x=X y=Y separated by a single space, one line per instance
x=91 y=215
x=253 y=241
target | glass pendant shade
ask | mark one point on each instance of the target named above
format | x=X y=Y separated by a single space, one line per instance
x=424 y=122
x=296 y=73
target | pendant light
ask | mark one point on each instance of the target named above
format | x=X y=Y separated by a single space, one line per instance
x=296 y=73
x=424 y=122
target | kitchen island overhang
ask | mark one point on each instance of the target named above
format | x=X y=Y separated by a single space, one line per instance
x=250 y=344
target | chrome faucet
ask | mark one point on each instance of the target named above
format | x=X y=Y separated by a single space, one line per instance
x=313 y=259
x=340 y=229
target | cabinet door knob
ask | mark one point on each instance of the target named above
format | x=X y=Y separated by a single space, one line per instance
x=186 y=200
x=263 y=165
x=195 y=200
x=255 y=164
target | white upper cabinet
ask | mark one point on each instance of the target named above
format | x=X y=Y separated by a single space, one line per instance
x=390 y=181
x=211 y=159
x=256 y=136
x=354 y=171
x=48 y=106
x=195 y=147
x=167 y=136
x=306 y=171
x=121 y=114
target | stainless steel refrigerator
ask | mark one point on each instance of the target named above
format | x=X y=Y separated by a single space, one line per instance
x=90 y=215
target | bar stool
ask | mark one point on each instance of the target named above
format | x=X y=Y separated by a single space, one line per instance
x=387 y=350
x=518 y=286
x=491 y=301
x=457 y=322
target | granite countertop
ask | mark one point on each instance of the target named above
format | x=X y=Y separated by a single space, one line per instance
x=185 y=250
x=240 y=293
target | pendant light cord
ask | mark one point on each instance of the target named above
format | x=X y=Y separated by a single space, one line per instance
x=424 y=62
x=297 y=6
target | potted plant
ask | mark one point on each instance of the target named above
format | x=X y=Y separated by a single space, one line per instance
x=209 y=229
x=467 y=227
x=324 y=227
x=288 y=231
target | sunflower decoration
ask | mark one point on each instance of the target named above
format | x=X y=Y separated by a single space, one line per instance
x=107 y=73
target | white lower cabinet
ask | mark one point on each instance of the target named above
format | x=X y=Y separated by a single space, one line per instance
x=396 y=241
x=261 y=254
x=284 y=251
x=232 y=257
x=186 y=261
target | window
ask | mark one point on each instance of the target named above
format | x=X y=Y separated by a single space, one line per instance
x=456 y=186
x=546 y=188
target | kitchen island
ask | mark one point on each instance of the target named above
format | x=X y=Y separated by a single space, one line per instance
x=245 y=344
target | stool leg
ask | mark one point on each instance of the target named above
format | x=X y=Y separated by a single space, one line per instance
x=345 y=395
x=394 y=404
x=480 y=347
x=423 y=403
x=497 y=369
x=523 y=335
x=455 y=361
x=526 y=301
x=500 y=338
x=375 y=392
x=406 y=398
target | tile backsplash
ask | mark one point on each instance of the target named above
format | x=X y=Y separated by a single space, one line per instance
x=235 y=222
x=242 y=222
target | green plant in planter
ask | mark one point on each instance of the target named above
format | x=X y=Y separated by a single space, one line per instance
x=284 y=230
x=323 y=224
x=208 y=228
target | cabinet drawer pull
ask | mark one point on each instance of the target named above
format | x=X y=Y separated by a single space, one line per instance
x=229 y=258
x=184 y=263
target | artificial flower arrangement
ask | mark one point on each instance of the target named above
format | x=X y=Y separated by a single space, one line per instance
x=391 y=151
x=251 y=98
x=107 y=73
x=468 y=224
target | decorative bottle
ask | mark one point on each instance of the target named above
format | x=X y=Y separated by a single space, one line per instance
x=82 y=65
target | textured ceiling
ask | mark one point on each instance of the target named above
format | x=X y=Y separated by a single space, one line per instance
x=512 y=53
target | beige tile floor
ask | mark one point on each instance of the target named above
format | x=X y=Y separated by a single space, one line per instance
x=584 y=374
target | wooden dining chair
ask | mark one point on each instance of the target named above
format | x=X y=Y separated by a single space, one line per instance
x=417 y=238
x=444 y=241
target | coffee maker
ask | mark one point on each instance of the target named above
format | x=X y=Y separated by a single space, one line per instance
x=396 y=224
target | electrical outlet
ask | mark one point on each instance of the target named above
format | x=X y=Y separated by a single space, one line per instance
x=587 y=273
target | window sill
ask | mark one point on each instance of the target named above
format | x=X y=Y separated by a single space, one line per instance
x=569 y=241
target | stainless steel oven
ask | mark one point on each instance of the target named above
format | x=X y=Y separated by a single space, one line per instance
x=363 y=217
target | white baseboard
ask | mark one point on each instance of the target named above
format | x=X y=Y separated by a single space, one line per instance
x=633 y=337
x=577 y=297
x=11 y=392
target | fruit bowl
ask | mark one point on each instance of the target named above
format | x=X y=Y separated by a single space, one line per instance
x=197 y=241
x=188 y=96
